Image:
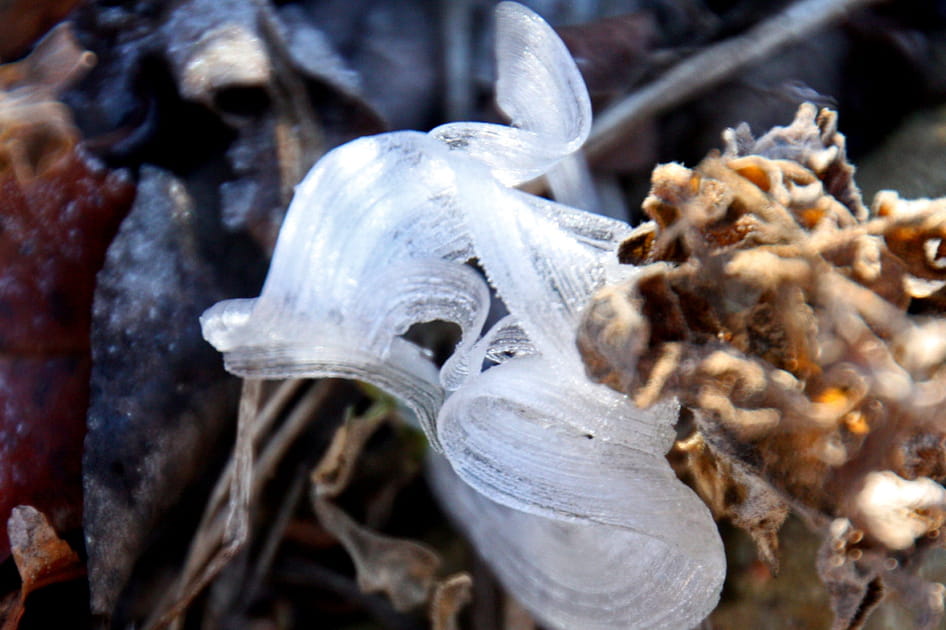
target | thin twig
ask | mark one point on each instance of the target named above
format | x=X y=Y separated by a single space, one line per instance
x=297 y=421
x=267 y=416
x=210 y=530
x=713 y=65
x=234 y=529
x=237 y=527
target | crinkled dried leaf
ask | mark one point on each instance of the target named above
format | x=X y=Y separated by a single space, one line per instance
x=41 y=557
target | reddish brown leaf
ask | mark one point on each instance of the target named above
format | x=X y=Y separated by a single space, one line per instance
x=23 y=21
x=58 y=210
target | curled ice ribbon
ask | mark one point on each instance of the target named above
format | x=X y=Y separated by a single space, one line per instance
x=566 y=490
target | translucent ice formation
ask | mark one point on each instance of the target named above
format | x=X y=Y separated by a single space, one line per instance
x=577 y=510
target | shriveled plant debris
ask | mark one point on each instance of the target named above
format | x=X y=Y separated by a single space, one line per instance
x=267 y=431
x=41 y=556
x=255 y=93
x=404 y=570
x=804 y=336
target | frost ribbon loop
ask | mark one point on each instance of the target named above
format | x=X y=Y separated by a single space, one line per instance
x=572 y=480
x=370 y=222
x=539 y=87
x=579 y=466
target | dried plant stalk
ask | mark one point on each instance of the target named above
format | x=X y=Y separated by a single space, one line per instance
x=714 y=65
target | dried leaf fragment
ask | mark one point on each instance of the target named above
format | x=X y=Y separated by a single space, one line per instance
x=41 y=557
x=732 y=493
x=404 y=570
x=159 y=395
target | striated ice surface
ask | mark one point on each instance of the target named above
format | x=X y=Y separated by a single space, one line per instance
x=565 y=489
x=374 y=241
x=575 y=574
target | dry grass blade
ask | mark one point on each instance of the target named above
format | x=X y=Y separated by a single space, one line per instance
x=274 y=406
x=450 y=595
x=335 y=469
x=235 y=529
x=277 y=530
x=224 y=527
x=237 y=526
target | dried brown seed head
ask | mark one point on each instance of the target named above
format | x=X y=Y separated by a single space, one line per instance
x=781 y=315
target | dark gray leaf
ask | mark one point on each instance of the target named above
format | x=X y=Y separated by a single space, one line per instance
x=159 y=395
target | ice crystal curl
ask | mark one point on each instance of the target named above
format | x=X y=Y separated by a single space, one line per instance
x=565 y=489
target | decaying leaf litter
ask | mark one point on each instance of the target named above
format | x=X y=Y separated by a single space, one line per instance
x=158 y=395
